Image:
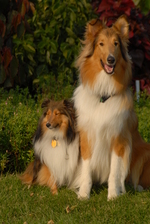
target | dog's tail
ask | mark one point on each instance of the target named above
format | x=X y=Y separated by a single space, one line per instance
x=144 y=179
x=30 y=175
x=38 y=173
x=140 y=162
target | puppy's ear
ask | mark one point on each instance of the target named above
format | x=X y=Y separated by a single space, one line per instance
x=68 y=104
x=122 y=26
x=93 y=28
x=45 y=103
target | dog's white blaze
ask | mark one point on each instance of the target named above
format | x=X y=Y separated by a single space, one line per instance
x=61 y=168
x=103 y=120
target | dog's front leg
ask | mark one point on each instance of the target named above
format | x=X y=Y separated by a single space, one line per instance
x=118 y=171
x=114 y=176
x=85 y=180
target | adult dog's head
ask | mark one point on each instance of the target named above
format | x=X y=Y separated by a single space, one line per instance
x=105 y=50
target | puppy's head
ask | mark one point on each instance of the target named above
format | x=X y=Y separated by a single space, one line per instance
x=59 y=116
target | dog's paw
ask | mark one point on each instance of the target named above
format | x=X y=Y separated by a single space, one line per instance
x=112 y=197
x=112 y=194
x=122 y=189
x=84 y=191
x=82 y=195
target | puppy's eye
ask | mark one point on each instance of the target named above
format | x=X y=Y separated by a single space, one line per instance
x=57 y=113
x=115 y=43
x=101 y=44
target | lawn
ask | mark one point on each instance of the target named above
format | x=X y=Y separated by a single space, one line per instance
x=20 y=205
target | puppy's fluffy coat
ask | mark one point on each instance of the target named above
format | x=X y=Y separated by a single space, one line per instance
x=56 y=147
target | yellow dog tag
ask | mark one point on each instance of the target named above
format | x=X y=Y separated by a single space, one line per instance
x=54 y=143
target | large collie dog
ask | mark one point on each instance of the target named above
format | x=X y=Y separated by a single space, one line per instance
x=56 y=147
x=107 y=124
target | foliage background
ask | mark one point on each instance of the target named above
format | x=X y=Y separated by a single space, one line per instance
x=18 y=121
x=40 y=42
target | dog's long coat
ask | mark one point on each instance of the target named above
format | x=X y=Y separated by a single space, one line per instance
x=106 y=120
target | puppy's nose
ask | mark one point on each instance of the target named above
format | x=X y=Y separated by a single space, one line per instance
x=48 y=124
x=111 y=59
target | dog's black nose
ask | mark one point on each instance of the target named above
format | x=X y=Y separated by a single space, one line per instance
x=48 y=124
x=111 y=59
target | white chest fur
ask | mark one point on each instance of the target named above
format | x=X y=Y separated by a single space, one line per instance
x=61 y=167
x=101 y=121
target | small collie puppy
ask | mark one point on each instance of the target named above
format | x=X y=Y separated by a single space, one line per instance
x=56 y=147
x=111 y=147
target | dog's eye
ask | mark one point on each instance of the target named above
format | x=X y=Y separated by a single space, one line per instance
x=101 y=44
x=57 y=113
x=115 y=43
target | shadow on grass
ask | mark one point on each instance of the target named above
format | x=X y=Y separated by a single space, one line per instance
x=97 y=189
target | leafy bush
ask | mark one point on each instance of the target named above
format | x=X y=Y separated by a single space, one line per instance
x=144 y=5
x=13 y=24
x=58 y=27
x=43 y=46
x=142 y=109
x=19 y=116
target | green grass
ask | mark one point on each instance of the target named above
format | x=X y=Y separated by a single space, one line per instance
x=36 y=205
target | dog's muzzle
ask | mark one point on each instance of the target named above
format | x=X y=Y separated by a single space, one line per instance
x=110 y=66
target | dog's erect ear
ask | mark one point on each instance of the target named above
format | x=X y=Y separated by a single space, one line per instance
x=45 y=103
x=68 y=103
x=93 y=28
x=122 y=26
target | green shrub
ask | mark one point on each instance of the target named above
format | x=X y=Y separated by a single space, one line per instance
x=19 y=116
x=39 y=48
x=52 y=48
x=142 y=109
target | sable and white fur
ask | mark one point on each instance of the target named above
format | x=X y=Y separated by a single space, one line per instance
x=54 y=166
x=106 y=129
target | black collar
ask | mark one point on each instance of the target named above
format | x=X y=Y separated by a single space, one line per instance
x=104 y=98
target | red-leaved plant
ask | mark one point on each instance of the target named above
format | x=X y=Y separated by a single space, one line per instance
x=13 y=23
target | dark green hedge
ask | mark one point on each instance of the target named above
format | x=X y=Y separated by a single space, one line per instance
x=39 y=44
x=19 y=116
